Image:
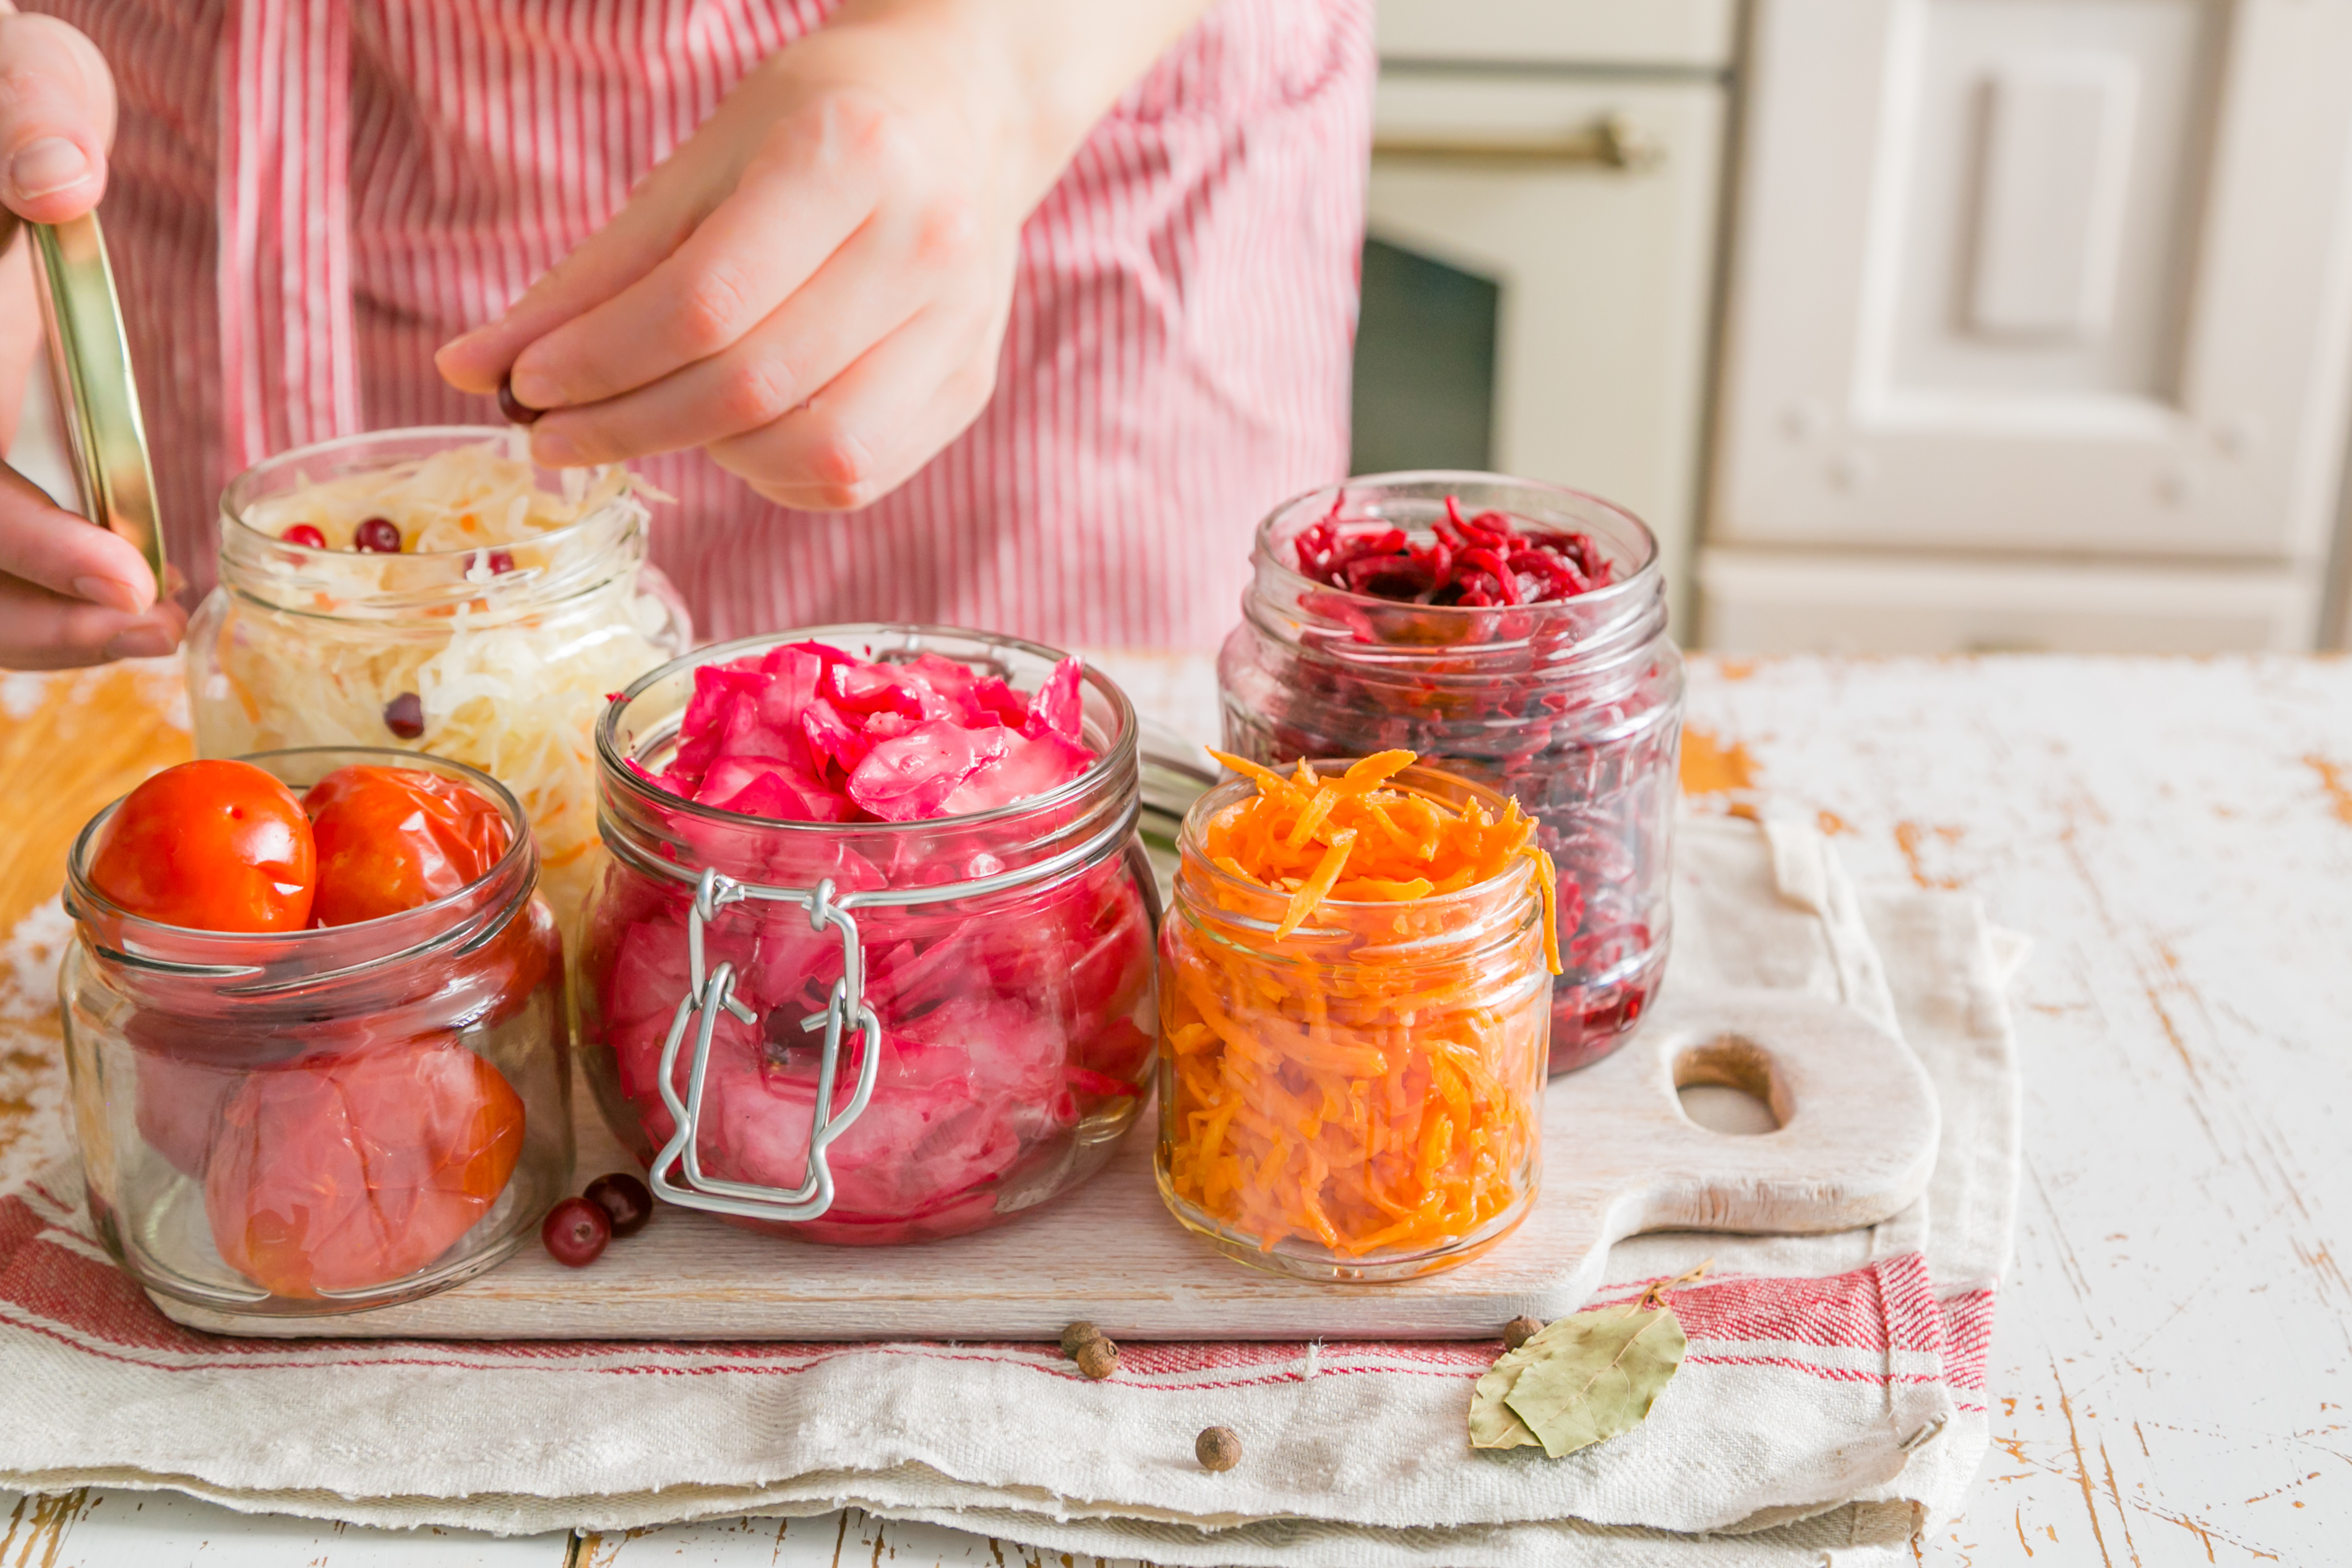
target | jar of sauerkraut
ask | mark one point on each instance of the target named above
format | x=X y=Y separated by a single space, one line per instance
x=434 y=590
x=857 y=1030
x=317 y=1121
x=1571 y=703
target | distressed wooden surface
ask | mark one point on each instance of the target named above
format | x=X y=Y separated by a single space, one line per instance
x=2173 y=1356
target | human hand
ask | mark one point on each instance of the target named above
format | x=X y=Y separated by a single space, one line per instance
x=814 y=287
x=69 y=593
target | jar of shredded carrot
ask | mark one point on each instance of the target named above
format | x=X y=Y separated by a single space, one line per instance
x=1355 y=1012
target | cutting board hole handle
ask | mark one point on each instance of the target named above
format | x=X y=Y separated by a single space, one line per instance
x=1731 y=1084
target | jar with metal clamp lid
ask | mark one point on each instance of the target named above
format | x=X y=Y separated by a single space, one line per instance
x=869 y=1032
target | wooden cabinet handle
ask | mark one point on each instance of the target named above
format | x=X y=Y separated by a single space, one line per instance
x=1612 y=142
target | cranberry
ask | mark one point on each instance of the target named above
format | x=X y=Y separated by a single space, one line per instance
x=625 y=1200
x=575 y=1232
x=378 y=536
x=501 y=562
x=304 y=533
x=514 y=408
x=404 y=716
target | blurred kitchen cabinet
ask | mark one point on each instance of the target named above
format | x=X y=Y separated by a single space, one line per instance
x=1588 y=35
x=1843 y=603
x=2032 y=279
x=1541 y=272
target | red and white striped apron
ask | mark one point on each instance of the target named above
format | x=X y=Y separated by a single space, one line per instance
x=309 y=196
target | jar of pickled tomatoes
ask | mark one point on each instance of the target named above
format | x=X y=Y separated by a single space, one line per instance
x=1359 y=1099
x=872 y=960
x=1555 y=683
x=432 y=589
x=314 y=1120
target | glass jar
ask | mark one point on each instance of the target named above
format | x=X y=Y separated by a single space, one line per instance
x=320 y=1120
x=970 y=1000
x=1362 y=1099
x=499 y=657
x=1573 y=707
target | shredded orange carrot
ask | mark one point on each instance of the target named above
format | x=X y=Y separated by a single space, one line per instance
x=1365 y=1079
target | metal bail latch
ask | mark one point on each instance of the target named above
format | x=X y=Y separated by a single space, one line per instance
x=711 y=990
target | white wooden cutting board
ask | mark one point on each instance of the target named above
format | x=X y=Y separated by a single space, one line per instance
x=1856 y=1141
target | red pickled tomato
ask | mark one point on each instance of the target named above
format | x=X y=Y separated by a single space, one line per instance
x=211 y=846
x=393 y=838
x=343 y=1172
x=575 y=1232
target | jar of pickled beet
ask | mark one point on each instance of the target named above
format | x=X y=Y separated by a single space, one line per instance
x=856 y=1030
x=1357 y=637
x=1359 y=1099
x=433 y=590
x=321 y=1120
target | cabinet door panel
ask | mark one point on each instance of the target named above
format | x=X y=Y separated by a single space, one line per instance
x=1604 y=274
x=2055 y=275
x=1674 y=33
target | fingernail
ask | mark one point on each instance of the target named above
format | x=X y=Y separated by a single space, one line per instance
x=553 y=449
x=139 y=643
x=111 y=591
x=45 y=166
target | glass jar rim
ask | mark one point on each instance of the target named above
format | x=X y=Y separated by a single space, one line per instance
x=613 y=762
x=1229 y=790
x=1642 y=578
x=421 y=930
x=456 y=435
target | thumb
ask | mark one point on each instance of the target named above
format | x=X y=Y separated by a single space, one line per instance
x=655 y=221
x=57 y=118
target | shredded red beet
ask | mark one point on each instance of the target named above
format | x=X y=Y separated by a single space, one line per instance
x=1568 y=704
x=1477 y=563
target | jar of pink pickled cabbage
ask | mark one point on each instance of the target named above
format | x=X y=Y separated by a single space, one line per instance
x=866 y=1031
x=1572 y=703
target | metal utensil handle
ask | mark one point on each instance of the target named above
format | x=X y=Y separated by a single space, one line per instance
x=708 y=993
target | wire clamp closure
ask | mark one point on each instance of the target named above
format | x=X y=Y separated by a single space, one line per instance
x=711 y=990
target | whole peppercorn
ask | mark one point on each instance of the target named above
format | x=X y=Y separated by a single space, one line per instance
x=1097 y=1358
x=1520 y=1330
x=1218 y=1447
x=1077 y=1334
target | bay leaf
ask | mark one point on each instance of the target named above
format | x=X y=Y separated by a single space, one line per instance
x=1584 y=1379
x=1492 y=1424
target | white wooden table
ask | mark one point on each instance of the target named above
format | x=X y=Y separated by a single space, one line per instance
x=2172 y=1365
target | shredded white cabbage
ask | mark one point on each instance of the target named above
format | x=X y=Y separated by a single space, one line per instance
x=510 y=669
x=466 y=497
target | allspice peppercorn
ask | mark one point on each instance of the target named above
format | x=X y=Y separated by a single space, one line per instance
x=1218 y=1447
x=1077 y=1334
x=1520 y=1330
x=1097 y=1358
